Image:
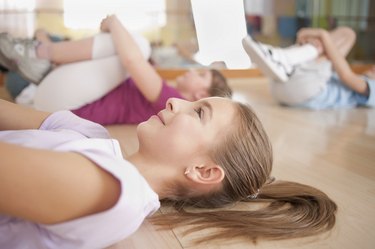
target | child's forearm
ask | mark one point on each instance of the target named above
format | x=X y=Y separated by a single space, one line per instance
x=339 y=63
x=342 y=67
x=145 y=76
x=125 y=45
x=17 y=117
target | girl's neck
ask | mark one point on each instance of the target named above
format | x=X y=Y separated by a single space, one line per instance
x=152 y=172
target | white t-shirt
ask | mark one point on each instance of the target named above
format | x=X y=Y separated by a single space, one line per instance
x=64 y=131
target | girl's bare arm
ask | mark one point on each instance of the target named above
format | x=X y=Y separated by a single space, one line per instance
x=17 y=117
x=49 y=187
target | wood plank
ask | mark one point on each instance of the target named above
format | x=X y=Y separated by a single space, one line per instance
x=147 y=236
x=172 y=73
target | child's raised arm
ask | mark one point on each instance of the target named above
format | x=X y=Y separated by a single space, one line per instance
x=342 y=67
x=339 y=63
x=17 y=117
x=145 y=76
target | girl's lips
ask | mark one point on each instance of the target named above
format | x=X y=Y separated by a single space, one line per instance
x=160 y=116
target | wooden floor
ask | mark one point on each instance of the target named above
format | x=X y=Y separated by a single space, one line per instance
x=333 y=150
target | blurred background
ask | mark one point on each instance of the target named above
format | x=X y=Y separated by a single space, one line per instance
x=170 y=25
x=277 y=21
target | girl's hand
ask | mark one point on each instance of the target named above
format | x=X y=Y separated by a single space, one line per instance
x=312 y=36
x=105 y=25
x=306 y=34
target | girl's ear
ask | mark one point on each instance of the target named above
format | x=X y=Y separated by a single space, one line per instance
x=204 y=174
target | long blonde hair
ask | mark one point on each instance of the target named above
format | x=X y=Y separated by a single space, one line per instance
x=288 y=210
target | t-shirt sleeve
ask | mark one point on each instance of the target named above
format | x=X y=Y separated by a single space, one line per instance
x=67 y=120
x=166 y=93
x=136 y=202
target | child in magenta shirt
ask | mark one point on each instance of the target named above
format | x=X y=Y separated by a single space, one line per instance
x=95 y=89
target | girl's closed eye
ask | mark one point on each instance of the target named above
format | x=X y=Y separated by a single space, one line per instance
x=199 y=112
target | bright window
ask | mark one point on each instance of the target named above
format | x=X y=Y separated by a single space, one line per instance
x=17 y=17
x=220 y=26
x=135 y=14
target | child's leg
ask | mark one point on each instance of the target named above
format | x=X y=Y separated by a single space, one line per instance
x=307 y=81
x=275 y=62
x=73 y=85
x=344 y=38
x=66 y=51
x=95 y=47
x=103 y=45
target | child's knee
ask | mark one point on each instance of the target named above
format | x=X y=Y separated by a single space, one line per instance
x=348 y=33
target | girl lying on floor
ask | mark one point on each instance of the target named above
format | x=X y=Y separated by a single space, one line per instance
x=64 y=182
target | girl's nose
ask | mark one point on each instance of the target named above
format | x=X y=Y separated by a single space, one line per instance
x=175 y=104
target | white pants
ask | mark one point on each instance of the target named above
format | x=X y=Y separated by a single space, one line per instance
x=73 y=85
x=308 y=80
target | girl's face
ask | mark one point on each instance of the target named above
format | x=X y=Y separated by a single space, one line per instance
x=186 y=130
x=194 y=81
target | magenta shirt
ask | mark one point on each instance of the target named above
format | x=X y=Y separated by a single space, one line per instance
x=125 y=105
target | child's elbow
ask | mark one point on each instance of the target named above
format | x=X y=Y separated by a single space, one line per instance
x=357 y=83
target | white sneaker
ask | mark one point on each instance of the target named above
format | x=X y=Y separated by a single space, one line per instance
x=271 y=61
x=26 y=96
x=20 y=55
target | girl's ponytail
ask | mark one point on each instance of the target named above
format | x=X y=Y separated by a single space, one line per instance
x=286 y=210
x=294 y=210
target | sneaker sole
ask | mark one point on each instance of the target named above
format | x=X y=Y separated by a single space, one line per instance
x=258 y=57
x=5 y=62
x=12 y=66
x=30 y=77
x=17 y=63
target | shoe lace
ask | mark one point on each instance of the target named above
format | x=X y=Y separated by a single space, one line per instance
x=26 y=42
x=29 y=45
x=273 y=54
